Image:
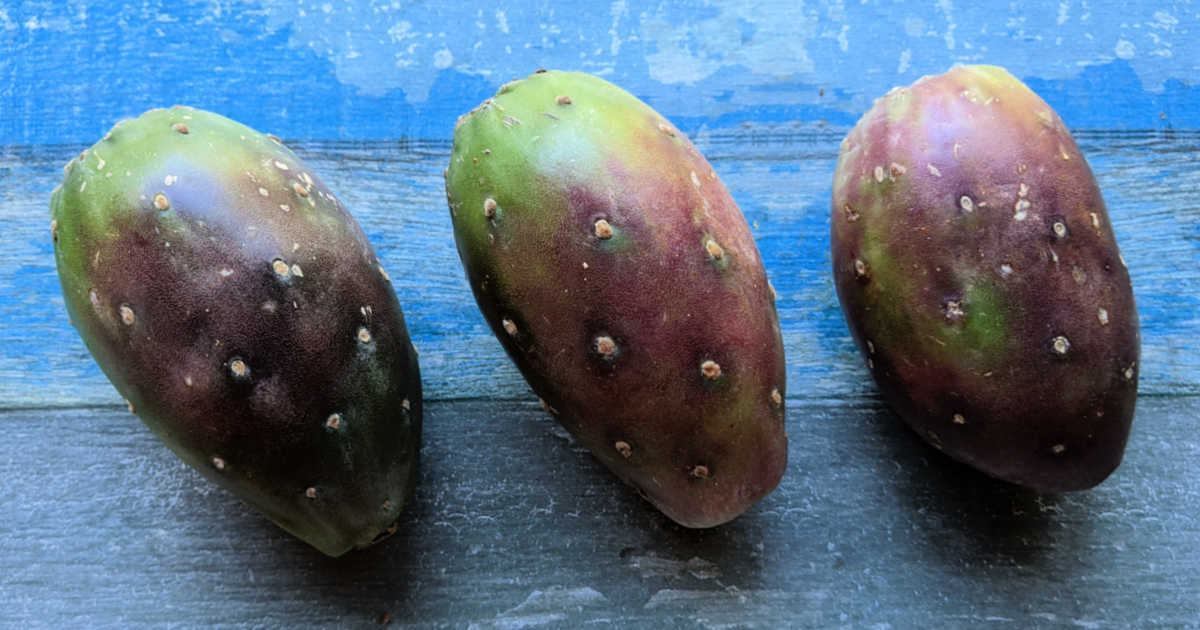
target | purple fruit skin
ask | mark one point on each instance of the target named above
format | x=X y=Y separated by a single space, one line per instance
x=979 y=274
x=238 y=307
x=613 y=323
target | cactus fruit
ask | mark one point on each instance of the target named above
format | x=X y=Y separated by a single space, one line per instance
x=980 y=277
x=623 y=281
x=239 y=308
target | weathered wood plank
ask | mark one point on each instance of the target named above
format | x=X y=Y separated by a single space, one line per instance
x=514 y=527
x=782 y=182
x=367 y=69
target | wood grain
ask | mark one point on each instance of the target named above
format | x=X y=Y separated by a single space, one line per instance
x=781 y=181
x=515 y=527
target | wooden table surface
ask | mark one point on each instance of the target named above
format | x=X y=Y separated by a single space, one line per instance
x=513 y=526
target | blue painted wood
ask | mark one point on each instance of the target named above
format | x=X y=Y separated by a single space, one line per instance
x=782 y=182
x=366 y=69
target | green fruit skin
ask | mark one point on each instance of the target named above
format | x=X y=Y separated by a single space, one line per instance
x=237 y=306
x=980 y=276
x=614 y=333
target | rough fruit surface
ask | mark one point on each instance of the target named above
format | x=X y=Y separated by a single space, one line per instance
x=980 y=277
x=623 y=281
x=238 y=307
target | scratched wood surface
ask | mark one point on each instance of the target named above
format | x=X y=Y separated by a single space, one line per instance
x=514 y=527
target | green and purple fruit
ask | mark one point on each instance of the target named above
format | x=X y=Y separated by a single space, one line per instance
x=239 y=308
x=622 y=279
x=979 y=274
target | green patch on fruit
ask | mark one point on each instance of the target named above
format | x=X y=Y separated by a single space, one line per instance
x=984 y=328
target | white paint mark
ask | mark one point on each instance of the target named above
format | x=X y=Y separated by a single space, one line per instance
x=914 y=27
x=443 y=59
x=1125 y=49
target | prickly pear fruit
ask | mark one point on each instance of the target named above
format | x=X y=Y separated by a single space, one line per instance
x=979 y=274
x=623 y=281
x=239 y=308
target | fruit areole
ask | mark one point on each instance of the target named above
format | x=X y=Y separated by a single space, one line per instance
x=232 y=299
x=980 y=277
x=620 y=276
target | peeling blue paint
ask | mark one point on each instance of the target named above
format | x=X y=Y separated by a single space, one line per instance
x=367 y=69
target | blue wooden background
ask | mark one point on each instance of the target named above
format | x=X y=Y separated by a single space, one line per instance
x=378 y=69
x=734 y=74
x=512 y=525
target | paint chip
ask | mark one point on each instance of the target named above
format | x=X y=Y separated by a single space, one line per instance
x=851 y=214
x=1058 y=449
x=333 y=422
x=218 y=463
x=181 y=128
x=54 y=230
x=623 y=448
x=860 y=268
x=297 y=271
x=160 y=202
x=281 y=268
x=879 y=174
x=714 y=249
x=1006 y=270
x=666 y=129
x=364 y=335
x=933 y=170
x=300 y=189
x=959 y=419
x=281 y=166
x=1060 y=345
x=509 y=327
x=127 y=316
x=170 y=180
x=895 y=169
x=700 y=471
x=967 y=204
x=1060 y=229
x=563 y=100
x=405 y=405
x=489 y=207
x=1129 y=371
x=776 y=397
x=710 y=369
x=1102 y=315
x=263 y=192
x=310 y=492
